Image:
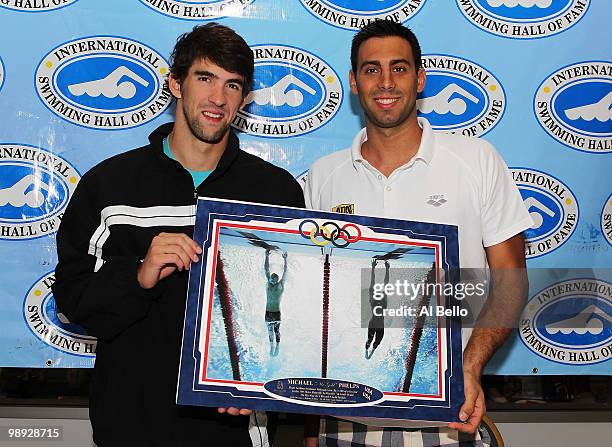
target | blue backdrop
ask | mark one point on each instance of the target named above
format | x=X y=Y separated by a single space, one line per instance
x=82 y=80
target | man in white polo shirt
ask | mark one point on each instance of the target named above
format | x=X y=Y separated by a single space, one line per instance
x=398 y=168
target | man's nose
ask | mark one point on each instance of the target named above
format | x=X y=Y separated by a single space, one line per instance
x=386 y=80
x=217 y=95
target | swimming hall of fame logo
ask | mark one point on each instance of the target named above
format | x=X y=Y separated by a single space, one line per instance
x=294 y=92
x=460 y=96
x=552 y=206
x=35 y=5
x=570 y=322
x=103 y=82
x=49 y=325
x=354 y=15
x=35 y=187
x=523 y=19
x=198 y=9
x=574 y=106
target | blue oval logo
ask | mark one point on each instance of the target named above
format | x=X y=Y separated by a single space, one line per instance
x=106 y=83
x=552 y=206
x=47 y=324
x=52 y=315
x=370 y=7
x=573 y=105
x=283 y=92
x=523 y=19
x=585 y=107
x=545 y=210
x=353 y=15
x=449 y=101
x=36 y=5
x=2 y=73
x=525 y=9
x=294 y=92
x=460 y=96
x=200 y=10
x=29 y=193
x=35 y=187
x=578 y=321
x=570 y=322
x=606 y=220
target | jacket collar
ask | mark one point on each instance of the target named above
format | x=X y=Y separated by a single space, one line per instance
x=232 y=150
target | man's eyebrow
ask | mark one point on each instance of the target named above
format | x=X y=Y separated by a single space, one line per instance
x=364 y=63
x=378 y=64
x=400 y=61
x=205 y=73
x=210 y=74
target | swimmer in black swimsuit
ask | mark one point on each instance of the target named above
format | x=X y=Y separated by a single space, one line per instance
x=376 y=326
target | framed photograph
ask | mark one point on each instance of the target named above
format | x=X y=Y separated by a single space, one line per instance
x=305 y=311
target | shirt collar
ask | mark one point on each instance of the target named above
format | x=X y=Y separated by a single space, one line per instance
x=425 y=152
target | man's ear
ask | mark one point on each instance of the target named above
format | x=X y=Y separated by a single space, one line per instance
x=175 y=86
x=244 y=101
x=353 y=82
x=421 y=78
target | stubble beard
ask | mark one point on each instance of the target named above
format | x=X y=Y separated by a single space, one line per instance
x=196 y=129
x=403 y=116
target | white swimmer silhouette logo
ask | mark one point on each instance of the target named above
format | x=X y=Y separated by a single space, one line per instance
x=569 y=322
x=590 y=320
x=600 y=110
x=278 y=95
x=35 y=188
x=295 y=92
x=460 y=96
x=552 y=206
x=523 y=19
x=442 y=104
x=576 y=110
x=536 y=216
x=110 y=86
x=17 y=196
x=523 y=3
x=120 y=88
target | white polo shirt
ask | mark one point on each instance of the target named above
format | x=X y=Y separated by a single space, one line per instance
x=451 y=180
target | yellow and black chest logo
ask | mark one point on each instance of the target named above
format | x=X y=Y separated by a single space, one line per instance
x=344 y=208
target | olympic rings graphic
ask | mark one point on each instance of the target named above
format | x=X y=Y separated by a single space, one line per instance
x=339 y=236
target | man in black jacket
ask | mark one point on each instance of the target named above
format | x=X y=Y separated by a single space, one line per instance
x=125 y=249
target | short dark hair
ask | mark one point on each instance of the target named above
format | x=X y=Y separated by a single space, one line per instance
x=385 y=28
x=218 y=44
